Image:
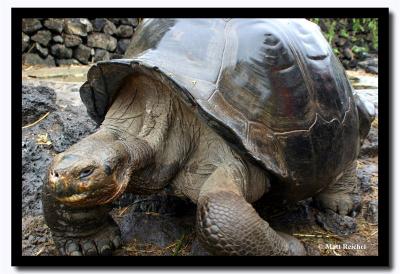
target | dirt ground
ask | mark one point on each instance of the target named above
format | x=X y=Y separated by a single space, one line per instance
x=151 y=230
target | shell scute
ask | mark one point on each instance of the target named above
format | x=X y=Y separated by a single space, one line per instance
x=271 y=87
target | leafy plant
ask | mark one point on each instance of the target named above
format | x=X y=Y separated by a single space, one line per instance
x=344 y=33
x=315 y=20
x=331 y=31
x=373 y=27
x=357 y=49
x=357 y=25
x=336 y=51
x=358 y=31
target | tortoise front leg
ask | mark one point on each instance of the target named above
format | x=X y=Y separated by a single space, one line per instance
x=228 y=225
x=80 y=231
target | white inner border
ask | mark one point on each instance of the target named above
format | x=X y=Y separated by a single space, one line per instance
x=5 y=110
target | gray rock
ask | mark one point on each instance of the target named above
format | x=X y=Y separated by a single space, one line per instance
x=353 y=63
x=341 y=41
x=64 y=126
x=101 y=55
x=345 y=62
x=67 y=62
x=58 y=39
x=61 y=52
x=35 y=59
x=82 y=54
x=338 y=224
x=125 y=31
x=373 y=62
x=43 y=37
x=25 y=41
x=122 y=45
x=365 y=182
x=36 y=102
x=130 y=21
x=74 y=26
x=98 y=24
x=75 y=125
x=102 y=41
x=71 y=40
x=363 y=64
x=348 y=53
x=30 y=25
x=370 y=63
x=109 y=28
x=116 y=21
x=369 y=90
x=43 y=52
x=371 y=214
x=54 y=24
x=372 y=69
x=30 y=238
x=116 y=56
x=87 y=23
x=369 y=147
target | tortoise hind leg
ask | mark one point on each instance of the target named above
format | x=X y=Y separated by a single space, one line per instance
x=343 y=196
x=228 y=225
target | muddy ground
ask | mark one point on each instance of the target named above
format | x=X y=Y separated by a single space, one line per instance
x=54 y=118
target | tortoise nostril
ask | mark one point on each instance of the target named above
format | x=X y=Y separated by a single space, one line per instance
x=54 y=174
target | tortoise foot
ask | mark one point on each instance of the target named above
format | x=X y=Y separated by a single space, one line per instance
x=296 y=248
x=101 y=243
x=341 y=203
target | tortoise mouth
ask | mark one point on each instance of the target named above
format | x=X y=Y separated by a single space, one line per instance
x=75 y=198
x=96 y=195
x=87 y=198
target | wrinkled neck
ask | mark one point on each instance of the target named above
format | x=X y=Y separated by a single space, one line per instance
x=148 y=116
x=141 y=111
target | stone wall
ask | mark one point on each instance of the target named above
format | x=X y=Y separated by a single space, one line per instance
x=56 y=41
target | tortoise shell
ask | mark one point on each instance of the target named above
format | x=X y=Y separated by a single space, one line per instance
x=272 y=88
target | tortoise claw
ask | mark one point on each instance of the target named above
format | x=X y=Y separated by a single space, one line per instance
x=102 y=243
x=72 y=248
x=89 y=248
x=296 y=248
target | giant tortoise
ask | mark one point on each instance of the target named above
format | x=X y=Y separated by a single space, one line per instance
x=223 y=112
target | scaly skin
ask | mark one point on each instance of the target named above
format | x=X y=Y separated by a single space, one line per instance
x=228 y=225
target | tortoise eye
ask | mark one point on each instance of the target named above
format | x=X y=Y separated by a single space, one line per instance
x=86 y=172
x=107 y=169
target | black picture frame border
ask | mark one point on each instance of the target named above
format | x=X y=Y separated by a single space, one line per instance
x=383 y=259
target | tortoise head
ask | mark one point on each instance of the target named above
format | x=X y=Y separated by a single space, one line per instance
x=94 y=171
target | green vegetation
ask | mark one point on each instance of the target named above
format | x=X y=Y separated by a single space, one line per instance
x=331 y=31
x=358 y=34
